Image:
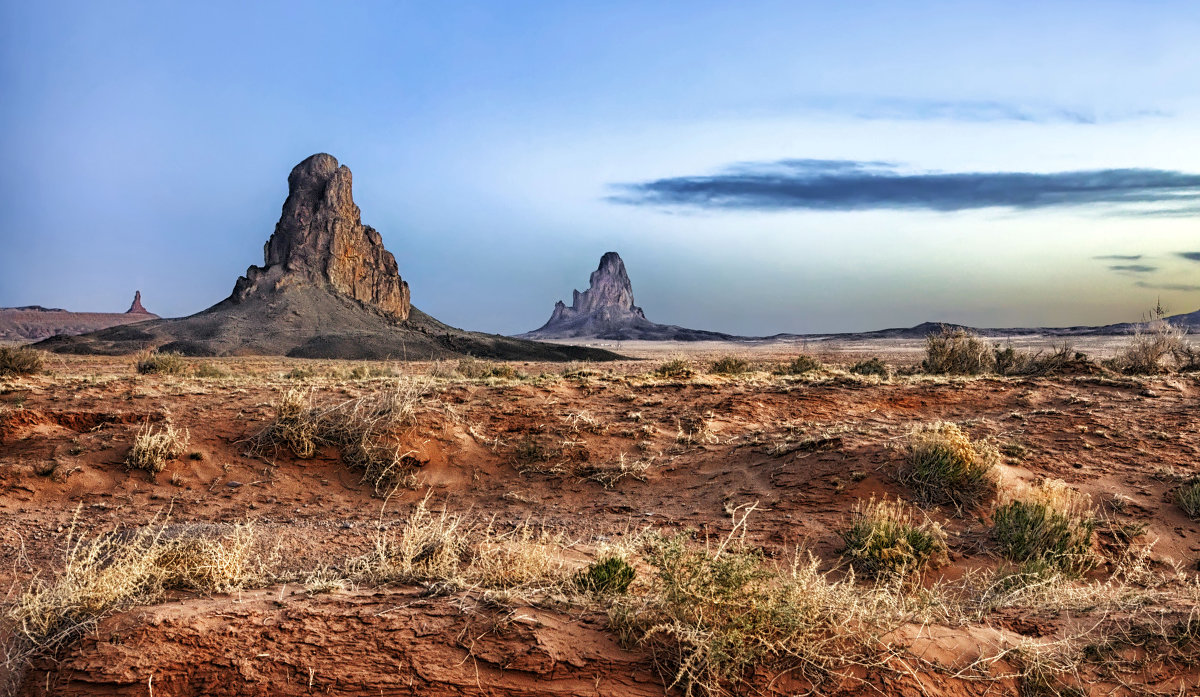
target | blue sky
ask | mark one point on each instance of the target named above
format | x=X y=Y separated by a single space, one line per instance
x=761 y=167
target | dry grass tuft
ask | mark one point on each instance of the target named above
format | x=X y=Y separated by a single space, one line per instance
x=1047 y=529
x=20 y=360
x=155 y=363
x=152 y=447
x=944 y=466
x=884 y=540
x=675 y=369
x=729 y=365
x=800 y=365
x=1188 y=498
x=1154 y=347
x=110 y=572
x=609 y=474
x=361 y=428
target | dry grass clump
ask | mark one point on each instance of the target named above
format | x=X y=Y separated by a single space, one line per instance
x=799 y=365
x=152 y=447
x=1007 y=360
x=155 y=363
x=675 y=369
x=361 y=428
x=1154 y=348
x=1188 y=498
x=444 y=550
x=1047 y=528
x=609 y=474
x=944 y=466
x=884 y=540
x=476 y=369
x=729 y=365
x=956 y=352
x=20 y=360
x=109 y=572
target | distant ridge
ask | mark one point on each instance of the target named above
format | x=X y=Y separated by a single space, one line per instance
x=34 y=322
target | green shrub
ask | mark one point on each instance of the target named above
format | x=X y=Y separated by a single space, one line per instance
x=799 y=365
x=168 y=363
x=944 y=466
x=1047 y=529
x=729 y=365
x=871 y=366
x=956 y=352
x=1188 y=498
x=883 y=540
x=676 y=368
x=20 y=360
x=610 y=575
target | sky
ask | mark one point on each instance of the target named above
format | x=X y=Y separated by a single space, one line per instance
x=761 y=167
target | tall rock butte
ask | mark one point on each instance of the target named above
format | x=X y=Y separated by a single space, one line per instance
x=606 y=311
x=136 y=307
x=320 y=241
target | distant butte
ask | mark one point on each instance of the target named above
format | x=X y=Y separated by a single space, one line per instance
x=606 y=311
x=136 y=307
x=327 y=289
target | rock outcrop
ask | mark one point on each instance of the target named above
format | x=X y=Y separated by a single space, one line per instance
x=320 y=240
x=606 y=311
x=136 y=307
x=327 y=289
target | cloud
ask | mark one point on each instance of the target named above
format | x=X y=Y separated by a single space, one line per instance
x=1119 y=257
x=1133 y=268
x=1185 y=287
x=1190 y=256
x=969 y=110
x=848 y=185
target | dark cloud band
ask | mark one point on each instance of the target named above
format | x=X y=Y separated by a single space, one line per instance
x=1133 y=268
x=840 y=185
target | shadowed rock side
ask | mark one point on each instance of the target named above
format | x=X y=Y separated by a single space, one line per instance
x=606 y=311
x=327 y=289
x=34 y=322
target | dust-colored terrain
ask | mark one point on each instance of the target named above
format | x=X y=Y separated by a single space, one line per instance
x=582 y=460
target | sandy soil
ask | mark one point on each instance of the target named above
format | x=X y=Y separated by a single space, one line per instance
x=806 y=449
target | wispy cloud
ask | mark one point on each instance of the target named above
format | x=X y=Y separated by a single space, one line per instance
x=1185 y=287
x=847 y=185
x=969 y=110
x=1133 y=268
x=1118 y=257
x=1190 y=256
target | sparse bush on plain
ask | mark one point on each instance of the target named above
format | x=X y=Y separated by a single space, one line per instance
x=1155 y=348
x=729 y=365
x=676 y=369
x=956 y=351
x=209 y=371
x=155 y=363
x=945 y=466
x=1047 y=528
x=154 y=447
x=799 y=365
x=610 y=575
x=871 y=366
x=476 y=369
x=884 y=540
x=1188 y=498
x=20 y=360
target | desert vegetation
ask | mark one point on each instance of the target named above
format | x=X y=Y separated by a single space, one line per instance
x=946 y=466
x=20 y=360
x=154 y=446
x=1046 y=527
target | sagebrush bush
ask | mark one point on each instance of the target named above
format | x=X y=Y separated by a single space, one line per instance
x=945 y=466
x=956 y=352
x=155 y=363
x=1188 y=498
x=884 y=539
x=153 y=447
x=209 y=371
x=871 y=366
x=610 y=575
x=1046 y=528
x=799 y=365
x=729 y=365
x=676 y=368
x=20 y=360
x=1154 y=348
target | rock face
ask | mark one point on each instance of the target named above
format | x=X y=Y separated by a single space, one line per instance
x=136 y=308
x=606 y=311
x=320 y=240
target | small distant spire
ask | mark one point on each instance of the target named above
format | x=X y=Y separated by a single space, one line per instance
x=136 y=308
